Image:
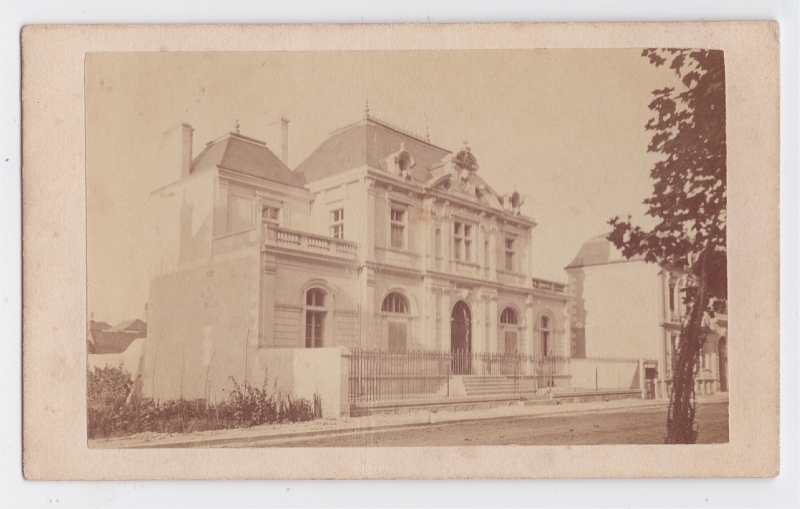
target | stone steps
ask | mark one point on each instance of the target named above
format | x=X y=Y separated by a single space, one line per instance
x=476 y=385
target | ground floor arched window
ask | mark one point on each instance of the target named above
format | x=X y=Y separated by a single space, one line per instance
x=509 y=322
x=395 y=309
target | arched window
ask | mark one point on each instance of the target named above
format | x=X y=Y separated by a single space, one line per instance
x=315 y=317
x=508 y=316
x=544 y=334
x=396 y=325
x=395 y=303
x=509 y=331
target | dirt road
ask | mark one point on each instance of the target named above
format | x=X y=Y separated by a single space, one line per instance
x=626 y=426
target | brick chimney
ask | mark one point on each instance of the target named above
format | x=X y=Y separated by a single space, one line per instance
x=285 y=140
x=186 y=149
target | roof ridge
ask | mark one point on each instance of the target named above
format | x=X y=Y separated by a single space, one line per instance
x=238 y=137
x=371 y=119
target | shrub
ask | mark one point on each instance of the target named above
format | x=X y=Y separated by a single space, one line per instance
x=246 y=406
x=107 y=390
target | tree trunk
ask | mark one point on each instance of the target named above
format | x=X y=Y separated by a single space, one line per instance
x=680 y=418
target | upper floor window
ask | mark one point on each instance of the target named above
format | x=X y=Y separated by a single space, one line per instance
x=462 y=241
x=270 y=214
x=510 y=251
x=395 y=303
x=398 y=219
x=337 y=224
x=672 y=298
x=508 y=316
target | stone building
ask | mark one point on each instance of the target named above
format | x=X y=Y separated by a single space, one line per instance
x=629 y=308
x=380 y=239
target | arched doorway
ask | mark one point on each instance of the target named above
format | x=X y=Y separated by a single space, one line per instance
x=461 y=338
x=722 y=355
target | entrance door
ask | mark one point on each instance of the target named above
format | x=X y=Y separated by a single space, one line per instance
x=460 y=338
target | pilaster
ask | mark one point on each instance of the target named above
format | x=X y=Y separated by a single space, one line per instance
x=530 y=344
x=266 y=338
x=491 y=344
x=445 y=317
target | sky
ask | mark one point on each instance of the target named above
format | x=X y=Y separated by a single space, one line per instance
x=565 y=128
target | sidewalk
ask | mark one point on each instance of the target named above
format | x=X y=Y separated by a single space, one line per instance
x=372 y=423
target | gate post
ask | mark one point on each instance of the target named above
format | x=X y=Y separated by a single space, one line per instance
x=642 y=380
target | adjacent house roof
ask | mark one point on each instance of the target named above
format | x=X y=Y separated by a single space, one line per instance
x=134 y=325
x=245 y=155
x=598 y=251
x=368 y=143
x=93 y=326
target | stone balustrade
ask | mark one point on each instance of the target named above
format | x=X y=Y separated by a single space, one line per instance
x=309 y=242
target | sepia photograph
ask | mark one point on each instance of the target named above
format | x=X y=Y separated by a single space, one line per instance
x=406 y=248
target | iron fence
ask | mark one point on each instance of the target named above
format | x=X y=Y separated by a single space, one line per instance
x=378 y=375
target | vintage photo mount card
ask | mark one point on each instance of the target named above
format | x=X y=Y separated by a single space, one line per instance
x=398 y=235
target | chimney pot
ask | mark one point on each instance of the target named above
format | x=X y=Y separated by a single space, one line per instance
x=285 y=140
x=186 y=150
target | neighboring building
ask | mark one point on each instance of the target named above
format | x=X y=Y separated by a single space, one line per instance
x=94 y=327
x=113 y=340
x=379 y=239
x=629 y=308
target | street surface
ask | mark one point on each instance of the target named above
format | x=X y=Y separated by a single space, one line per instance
x=623 y=426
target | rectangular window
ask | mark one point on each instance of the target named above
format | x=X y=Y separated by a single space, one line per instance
x=270 y=215
x=438 y=242
x=671 y=298
x=462 y=241
x=337 y=224
x=467 y=243
x=398 y=219
x=510 y=254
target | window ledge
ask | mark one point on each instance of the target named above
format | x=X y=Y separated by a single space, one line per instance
x=400 y=251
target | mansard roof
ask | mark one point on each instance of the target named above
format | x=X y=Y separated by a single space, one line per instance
x=368 y=143
x=247 y=156
x=599 y=251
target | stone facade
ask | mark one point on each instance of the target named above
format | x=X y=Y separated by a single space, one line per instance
x=380 y=240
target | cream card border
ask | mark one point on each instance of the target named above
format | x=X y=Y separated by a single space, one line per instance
x=54 y=256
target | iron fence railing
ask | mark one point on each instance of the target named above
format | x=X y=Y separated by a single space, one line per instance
x=378 y=375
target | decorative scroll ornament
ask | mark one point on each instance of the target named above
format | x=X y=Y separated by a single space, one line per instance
x=464 y=160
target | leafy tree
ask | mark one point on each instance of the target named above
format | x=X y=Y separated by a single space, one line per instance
x=689 y=203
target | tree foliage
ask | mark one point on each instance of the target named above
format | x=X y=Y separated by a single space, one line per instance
x=689 y=203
